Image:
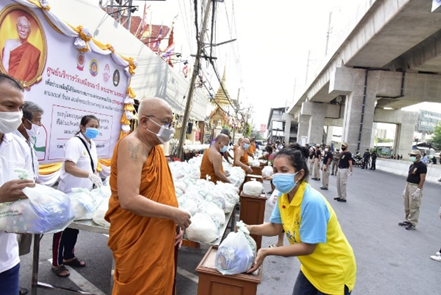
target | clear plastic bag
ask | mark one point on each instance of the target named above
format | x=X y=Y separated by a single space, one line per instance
x=236 y=253
x=46 y=210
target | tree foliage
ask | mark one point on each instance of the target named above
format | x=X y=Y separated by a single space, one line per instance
x=436 y=138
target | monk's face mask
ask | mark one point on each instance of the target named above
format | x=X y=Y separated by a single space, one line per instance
x=164 y=134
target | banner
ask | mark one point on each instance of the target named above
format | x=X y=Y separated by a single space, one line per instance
x=427 y=121
x=67 y=82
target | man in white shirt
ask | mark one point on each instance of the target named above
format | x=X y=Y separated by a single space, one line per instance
x=28 y=131
x=14 y=153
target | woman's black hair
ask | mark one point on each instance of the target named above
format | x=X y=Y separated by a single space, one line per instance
x=298 y=156
x=86 y=119
x=269 y=149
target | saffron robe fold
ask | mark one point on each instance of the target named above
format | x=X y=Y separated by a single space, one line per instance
x=207 y=168
x=23 y=62
x=143 y=247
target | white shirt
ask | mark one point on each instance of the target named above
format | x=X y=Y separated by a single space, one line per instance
x=35 y=164
x=14 y=153
x=76 y=152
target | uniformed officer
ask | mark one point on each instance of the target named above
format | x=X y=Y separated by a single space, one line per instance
x=335 y=159
x=344 y=172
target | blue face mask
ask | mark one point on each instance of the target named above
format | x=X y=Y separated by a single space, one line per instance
x=91 y=133
x=246 y=145
x=284 y=182
x=224 y=149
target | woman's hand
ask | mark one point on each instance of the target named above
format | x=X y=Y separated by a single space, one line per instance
x=261 y=254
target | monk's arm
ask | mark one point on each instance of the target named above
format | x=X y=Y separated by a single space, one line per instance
x=131 y=157
x=217 y=166
x=237 y=156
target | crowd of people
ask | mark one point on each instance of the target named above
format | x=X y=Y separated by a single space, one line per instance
x=144 y=213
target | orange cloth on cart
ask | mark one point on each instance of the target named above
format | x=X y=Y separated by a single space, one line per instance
x=207 y=168
x=143 y=247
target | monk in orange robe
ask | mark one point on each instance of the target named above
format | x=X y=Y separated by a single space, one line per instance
x=212 y=160
x=252 y=149
x=241 y=156
x=20 y=58
x=143 y=209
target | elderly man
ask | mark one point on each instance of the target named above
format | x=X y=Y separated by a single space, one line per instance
x=14 y=153
x=143 y=210
x=212 y=160
x=241 y=156
x=29 y=129
x=20 y=58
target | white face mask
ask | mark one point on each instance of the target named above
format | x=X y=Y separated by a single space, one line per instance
x=35 y=130
x=164 y=134
x=10 y=121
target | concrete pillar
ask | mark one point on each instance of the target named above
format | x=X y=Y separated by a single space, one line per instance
x=329 y=135
x=374 y=128
x=287 y=130
x=359 y=105
x=315 y=132
x=404 y=134
x=303 y=127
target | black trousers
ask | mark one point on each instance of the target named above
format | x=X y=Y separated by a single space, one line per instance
x=63 y=246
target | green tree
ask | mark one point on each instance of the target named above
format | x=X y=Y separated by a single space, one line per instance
x=436 y=138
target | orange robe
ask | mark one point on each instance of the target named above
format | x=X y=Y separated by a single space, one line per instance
x=143 y=247
x=207 y=168
x=23 y=62
x=252 y=148
x=243 y=159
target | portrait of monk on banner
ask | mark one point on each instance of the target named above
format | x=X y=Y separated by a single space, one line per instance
x=23 y=45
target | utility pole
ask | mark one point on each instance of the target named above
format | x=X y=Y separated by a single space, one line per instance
x=237 y=109
x=192 y=83
x=328 y=33
x=307 y=68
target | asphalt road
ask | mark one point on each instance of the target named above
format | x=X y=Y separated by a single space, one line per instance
x=390 y=259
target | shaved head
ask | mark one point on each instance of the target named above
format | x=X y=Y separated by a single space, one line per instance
x=225 y=139
x=151 y=106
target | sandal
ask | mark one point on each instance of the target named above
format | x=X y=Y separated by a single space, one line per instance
x=61 y=271
x=75 y=263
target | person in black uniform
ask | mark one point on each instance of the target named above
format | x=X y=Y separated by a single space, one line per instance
x=413 y=191
x=326 y=167
x=374 y=160
x=366 y=158
x=344 y=172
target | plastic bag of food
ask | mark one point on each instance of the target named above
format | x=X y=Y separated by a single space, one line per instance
x=236 y=253
x=98 y=215
x=46 y=210
x=202 y=229
x=252 y=188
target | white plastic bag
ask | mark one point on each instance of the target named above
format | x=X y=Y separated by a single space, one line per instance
x=235 y=254
x=252 y=188
x=202 y=229
x=98 y=215
x=46 y=210
x=271 y=201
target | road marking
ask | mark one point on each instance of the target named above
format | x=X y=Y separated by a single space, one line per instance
x=187 y=274
x=81 y=281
